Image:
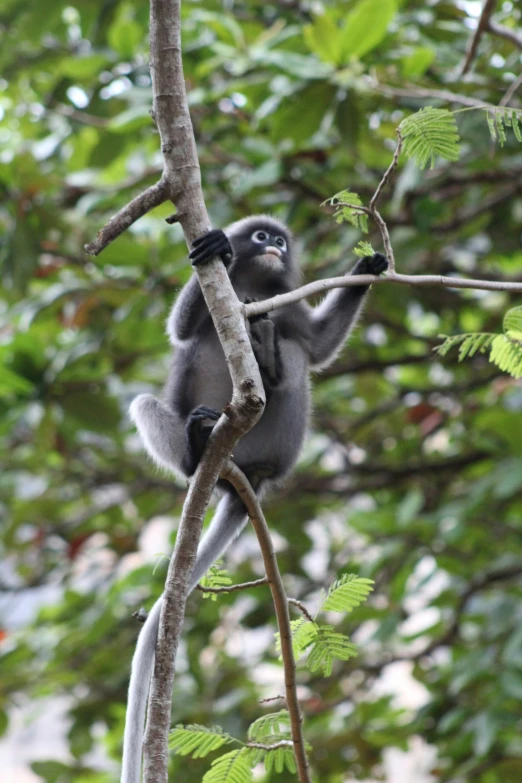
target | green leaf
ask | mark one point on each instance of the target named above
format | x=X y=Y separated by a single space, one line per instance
x=125 y=33
x=346 y=593
x=428 y=133
x=345 y=206
x=324 y=38
x=83 y=67
x=330 y=645
x=274 y=724
x=131 y=119
x=363 y=249
x=366 y=26
x=216 y=576
x=513 y=320
x=417 y=63
x=303 y=634
x=12 y=383
x=233 y=767
x=197 y=741
x=301 y=114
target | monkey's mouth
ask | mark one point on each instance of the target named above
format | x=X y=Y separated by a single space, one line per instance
x=272 y=251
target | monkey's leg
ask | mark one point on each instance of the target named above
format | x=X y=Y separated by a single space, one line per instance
x=162 y=431
x=265 y=344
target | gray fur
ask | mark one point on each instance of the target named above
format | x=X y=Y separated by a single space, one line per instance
x=287 y=345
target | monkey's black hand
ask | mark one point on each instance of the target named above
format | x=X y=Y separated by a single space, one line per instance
x=371 y=265
x=197 y=435
x=264 y=341
x=254 y=318
x=213 y=243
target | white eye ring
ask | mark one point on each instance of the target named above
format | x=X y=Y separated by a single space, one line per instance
x=259 y=237
x=280 y=242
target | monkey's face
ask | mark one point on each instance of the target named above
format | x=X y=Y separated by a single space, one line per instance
x=263 y=244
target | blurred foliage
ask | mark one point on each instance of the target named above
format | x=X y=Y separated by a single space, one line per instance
x=412 y=475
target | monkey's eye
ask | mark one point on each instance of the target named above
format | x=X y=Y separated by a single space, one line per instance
x=280 y=242
x=259 y=237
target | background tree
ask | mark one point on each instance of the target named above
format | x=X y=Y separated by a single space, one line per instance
x=412 y=475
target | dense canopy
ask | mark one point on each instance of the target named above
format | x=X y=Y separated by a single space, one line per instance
x=412 y=474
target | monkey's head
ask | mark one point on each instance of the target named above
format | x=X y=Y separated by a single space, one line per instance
x=265 y=245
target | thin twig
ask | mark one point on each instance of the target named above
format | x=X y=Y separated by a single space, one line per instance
x=233 y=588
x=447 y=96
x=387 y=174
x=240 y=483
x=319 y=286
x=505 y=32
x=483 y=24
x=139 y=206
x=513 y=87
x=302 y=608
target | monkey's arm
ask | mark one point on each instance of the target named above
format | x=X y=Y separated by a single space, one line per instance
x=190 y=310
x=337 y=314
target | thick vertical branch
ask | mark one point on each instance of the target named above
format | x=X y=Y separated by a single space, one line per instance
x=181 y=178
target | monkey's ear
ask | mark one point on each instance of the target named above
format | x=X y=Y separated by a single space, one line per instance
x=213 y=243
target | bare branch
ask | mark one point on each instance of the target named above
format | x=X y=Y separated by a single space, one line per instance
x=181 y=178
x=482 y=25
x=302 y=608
x=240 y=483
x=504 y=32
x=139 y=206
x=513 y=87
x=232 y=588
x=438 y=95
x=319 y=286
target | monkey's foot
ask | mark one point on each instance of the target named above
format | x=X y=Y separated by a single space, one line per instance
x=371 y=265
x=197 y=435
x=213 y=243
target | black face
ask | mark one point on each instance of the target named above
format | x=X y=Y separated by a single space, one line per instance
x=263 y=241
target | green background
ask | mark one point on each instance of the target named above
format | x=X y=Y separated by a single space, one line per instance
x=413 y=472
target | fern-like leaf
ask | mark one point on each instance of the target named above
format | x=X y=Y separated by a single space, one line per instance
x=499 y=118
x=428 y=133
x=274 y=724
x=513 y=320
x=303 y=634
x=363 y=249
x=505 y=349
x=470 y=344
x=197 y=741
x=506 y=353
x=330 y=645
x=216 y=576
x=346 y=593
x=344 y=212
x=233 y=767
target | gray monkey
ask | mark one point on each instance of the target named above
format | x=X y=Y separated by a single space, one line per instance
x=294 y=339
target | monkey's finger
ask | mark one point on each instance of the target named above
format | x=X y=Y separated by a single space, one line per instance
x=207 y=252
x=210 y=236
x=203 y=412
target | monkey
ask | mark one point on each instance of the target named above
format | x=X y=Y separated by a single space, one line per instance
x=258 y=252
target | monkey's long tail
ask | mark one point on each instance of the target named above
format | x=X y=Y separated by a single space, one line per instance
x=227 y=523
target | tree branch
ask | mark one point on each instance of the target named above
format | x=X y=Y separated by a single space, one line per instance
x=504 y=32
x=482 y=25
x=239 y=481
x=232 y=588
x=319 y=286
x=122 y=220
